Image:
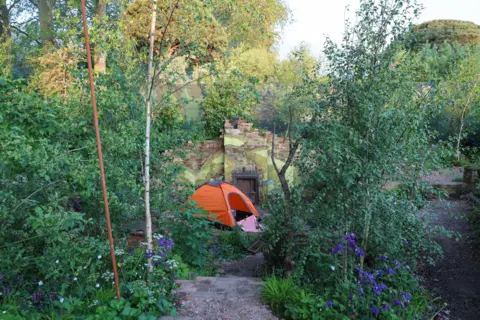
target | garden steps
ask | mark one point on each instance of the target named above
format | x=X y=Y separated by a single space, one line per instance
x=227 y=297
x=219 y=287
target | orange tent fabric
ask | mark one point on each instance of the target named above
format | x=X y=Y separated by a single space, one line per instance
x=220 y=198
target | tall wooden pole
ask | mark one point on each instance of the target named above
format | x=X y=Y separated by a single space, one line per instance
x=99 y=148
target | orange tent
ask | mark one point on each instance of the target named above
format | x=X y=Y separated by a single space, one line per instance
x=220 y=199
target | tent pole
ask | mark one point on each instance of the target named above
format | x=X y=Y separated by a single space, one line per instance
x=99 y=149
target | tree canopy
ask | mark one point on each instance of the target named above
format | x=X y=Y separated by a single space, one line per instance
x=450 y=31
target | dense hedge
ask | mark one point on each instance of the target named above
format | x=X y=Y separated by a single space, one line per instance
x=450 y=31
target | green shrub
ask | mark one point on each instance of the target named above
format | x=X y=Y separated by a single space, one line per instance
x=233 y=244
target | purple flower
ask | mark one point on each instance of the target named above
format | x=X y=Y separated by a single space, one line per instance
x=350 y=236
x=329 y=304
x=352 y=244
x=161 y=242
x=396 y=302
x=390 y=271
x=405 y=242
x=1 y=277
x=385 y=306
x=406 y=296
x=149 y=253
x=379 y=273
x=6 y=291
x=383 y=257
x=338 y=248
x=131 y=252
x=375 y=310
x=366 y=277
x=398 y=264
x=359 y=252
x=379 y=288
x=37 y=297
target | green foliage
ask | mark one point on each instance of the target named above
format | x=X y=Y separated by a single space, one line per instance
x=6 y=56
x=388 y=291
x=370 y=125
x=233 y=244
x=447 y=31
x=231 y=95
x=192 y=235
x=278 y=292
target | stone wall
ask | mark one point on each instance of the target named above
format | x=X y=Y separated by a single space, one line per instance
x=247 y=147
x=239 y=147
x=203 y=161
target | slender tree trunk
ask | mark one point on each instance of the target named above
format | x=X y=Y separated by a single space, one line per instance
x=4 y=21
x=100 y=56
x=148 y=216
x=45 y=8
x=459 y=137
x=287 y=196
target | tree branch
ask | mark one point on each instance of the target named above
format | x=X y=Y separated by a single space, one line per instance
x=25 y=34
x=273 y=152
x=12 y=5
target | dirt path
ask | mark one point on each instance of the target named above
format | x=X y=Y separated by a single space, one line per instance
x=233 y=296
x=456 y=278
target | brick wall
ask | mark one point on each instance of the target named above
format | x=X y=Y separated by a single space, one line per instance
x=241 y=147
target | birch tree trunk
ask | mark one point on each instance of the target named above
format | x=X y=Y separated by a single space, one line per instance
x=148 y=216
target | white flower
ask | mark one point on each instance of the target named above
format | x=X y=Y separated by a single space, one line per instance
x=75 y=278
x=97 y=285
x=157 y=236
x=332 y=268
x=4 y=312
x=99 y=257
x=61 y=300
x=119 y=252
x=57 y=261
x=40 y=283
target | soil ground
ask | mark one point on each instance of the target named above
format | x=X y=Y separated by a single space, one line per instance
x=233 y=296
x=456 y=277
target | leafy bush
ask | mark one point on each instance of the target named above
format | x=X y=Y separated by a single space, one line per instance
x=233 y=244
x=52 y=228
x=232 y=95
x=76 y=280
x=344 y=287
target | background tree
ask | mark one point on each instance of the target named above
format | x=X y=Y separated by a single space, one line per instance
x=100 y=56
x=45 y=13
x=437 y=32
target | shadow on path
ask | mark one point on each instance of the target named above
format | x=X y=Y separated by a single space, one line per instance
x=456 y=277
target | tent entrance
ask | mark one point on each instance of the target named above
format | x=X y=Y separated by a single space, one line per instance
x=240 y=209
